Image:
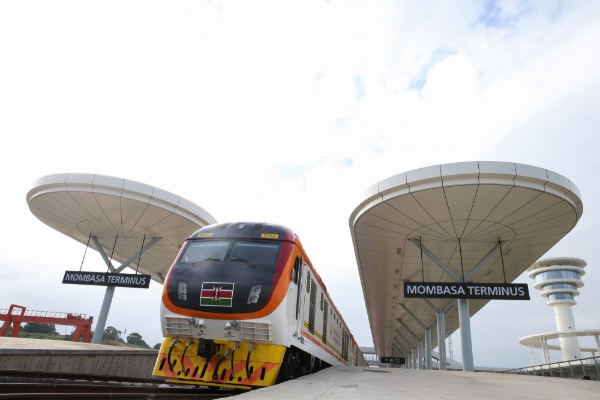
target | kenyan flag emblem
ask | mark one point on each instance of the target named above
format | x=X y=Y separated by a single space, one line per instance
x=216 y=294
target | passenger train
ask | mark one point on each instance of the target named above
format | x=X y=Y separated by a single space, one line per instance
x=243 y=307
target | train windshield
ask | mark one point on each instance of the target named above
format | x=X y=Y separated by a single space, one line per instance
x=242 y=265
x=251 y=252
x=210 y=250
x=255 y=253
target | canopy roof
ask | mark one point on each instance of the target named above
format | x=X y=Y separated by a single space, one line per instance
x=529 y=208
x=78 y=205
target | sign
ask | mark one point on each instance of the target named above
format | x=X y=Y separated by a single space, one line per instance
x=217 y=294
x=483 y=291
x=107 y=279
x=391 y=360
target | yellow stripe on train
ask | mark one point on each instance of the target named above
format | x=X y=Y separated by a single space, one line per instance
x=261 y=370
x=318 y=335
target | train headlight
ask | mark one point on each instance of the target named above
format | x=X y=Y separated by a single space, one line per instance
x=182 y=290
x=254 y=294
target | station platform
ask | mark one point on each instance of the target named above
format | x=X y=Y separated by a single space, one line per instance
x=75 y=358
x=349 y=383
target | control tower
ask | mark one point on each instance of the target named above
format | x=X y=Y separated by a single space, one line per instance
x=559 y=279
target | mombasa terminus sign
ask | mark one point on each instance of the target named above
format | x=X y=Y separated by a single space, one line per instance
x=484 y=291
x=107 y=279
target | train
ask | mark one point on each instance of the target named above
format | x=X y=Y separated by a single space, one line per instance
x=243 y=307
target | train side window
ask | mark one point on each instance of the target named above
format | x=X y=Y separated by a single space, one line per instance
x=321 y=301
x=308 y=282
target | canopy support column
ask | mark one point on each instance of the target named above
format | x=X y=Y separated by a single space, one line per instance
x=463 y=304
x=441 y=334
x=465 y=335
x=421 y=353
x=110 y=290
x=428 y=349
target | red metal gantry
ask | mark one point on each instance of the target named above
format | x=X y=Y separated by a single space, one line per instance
x=11 y=317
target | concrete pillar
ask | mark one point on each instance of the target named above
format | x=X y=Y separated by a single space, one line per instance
x=569 y=345
x=465 y=335
x=101 y=324
x=597 y=345
x=428 y=349
x=441 y=333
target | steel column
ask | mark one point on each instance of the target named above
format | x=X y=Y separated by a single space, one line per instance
x=102 y=253
x=484 y=260
x=428 y=349
x=465 y=335
x=545 y=354
x=420 y=354
x=463 y=304
x=110 y=290
x=101 y=324
x=137 y=254
x=415 y=351
x=532 y=355
x=441 y=333
x=436 y=260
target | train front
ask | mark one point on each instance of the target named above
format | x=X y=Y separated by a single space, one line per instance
x=223 y=313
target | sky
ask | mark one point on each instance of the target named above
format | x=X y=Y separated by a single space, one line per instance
x=285 y=112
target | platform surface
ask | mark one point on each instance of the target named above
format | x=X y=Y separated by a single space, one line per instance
x=58 y=356
x=378 y=383
x=10 y=345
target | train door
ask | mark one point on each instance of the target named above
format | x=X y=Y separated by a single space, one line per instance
x=292 y=302
x=303 y=289
x=300 y=297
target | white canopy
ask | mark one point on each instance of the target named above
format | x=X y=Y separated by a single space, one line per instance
x=106 y=207
x=530 y=209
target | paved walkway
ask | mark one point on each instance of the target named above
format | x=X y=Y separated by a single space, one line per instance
x=377 y=383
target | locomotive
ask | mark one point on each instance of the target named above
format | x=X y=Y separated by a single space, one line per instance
x=242 y=307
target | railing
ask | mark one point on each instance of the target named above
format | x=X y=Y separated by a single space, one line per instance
x=577 y=369
x=477 y=369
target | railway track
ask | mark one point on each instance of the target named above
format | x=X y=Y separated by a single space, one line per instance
x=49 y=385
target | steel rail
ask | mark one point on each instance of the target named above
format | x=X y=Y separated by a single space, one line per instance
x=82 y=377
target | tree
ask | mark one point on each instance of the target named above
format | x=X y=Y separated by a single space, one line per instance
x=157 y=346
x=112 y=333
x=136 y=339
x=32 y=327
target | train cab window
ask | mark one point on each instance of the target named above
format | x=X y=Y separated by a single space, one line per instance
x=209 y=250
x=255 y=253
